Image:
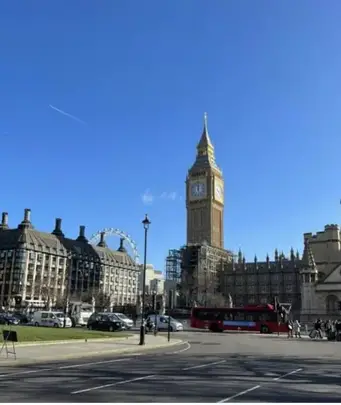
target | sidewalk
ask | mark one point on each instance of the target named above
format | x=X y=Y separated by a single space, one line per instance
x=40 y=353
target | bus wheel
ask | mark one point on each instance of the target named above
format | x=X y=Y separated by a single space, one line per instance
x=264 y=329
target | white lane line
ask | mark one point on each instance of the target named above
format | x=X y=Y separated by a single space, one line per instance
x=239 y=394
x=204 y=365
x=26 y=372
x=188 y=346
x=94 y=363
x=113 y=384
x=285 y=375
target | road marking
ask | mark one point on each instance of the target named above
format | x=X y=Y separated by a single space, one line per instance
x=182 y=350
x=93 y=363
x=239 y=394
x=113 y=384
x=285 y=375
x=204 y=365
x=26 y=372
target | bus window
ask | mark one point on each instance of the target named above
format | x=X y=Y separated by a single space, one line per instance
x=228 y=316
x=239 y=316
x=264 y=316
x=251 y=316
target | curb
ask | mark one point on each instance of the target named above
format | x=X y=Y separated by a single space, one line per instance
x=131 y=350
x=62 y=342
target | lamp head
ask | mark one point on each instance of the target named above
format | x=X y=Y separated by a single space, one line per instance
x=146 y=222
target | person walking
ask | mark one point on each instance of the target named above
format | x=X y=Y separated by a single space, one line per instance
x=290 y=327
x=297 y=329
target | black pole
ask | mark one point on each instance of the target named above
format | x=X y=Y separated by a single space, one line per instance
x=155 y=326
x=142 y=329
x=169 y=327
x=68 y=288
x=169 y=312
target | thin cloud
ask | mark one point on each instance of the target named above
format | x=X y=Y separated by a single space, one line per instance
x=147 y=197
x=172 y=196
x=67 y=114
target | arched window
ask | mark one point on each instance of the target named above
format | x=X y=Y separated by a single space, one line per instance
x=332 y=304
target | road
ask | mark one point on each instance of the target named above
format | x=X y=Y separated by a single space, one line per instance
x=209 y=368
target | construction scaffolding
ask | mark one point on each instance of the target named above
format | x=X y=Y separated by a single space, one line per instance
x=173 y=265
x=202 y=268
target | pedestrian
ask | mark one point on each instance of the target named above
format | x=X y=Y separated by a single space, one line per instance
x=290 y=327
x=297 y=329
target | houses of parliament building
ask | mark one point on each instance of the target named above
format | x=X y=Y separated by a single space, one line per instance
x=212 y=275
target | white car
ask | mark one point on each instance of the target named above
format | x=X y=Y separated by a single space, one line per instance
x=162 y=322
x=123 y=318
x=50 y=318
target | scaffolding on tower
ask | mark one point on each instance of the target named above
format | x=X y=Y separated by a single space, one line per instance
x=173 y=265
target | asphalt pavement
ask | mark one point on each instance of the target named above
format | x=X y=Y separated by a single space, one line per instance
x=208 y=368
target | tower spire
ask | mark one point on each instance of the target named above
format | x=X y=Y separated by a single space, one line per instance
x=205 y=143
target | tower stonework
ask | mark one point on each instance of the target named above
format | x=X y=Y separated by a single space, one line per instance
x=205 y=196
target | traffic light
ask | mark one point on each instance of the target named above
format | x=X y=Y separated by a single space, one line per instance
x=339 y=305
x=154 y=301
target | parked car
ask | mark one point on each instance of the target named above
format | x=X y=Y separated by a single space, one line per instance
x=23 y=318
x=105 y=321
x=50 y=318
x=129 y=323
x=162 y=322
x=8 y=319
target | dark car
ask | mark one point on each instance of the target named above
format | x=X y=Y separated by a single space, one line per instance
x=23 y=319
x=7 y=319
x=103 y=321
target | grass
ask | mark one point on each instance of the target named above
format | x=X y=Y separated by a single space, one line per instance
x=41 y=334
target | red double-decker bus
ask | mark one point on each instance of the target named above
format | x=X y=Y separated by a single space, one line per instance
x=253 y=318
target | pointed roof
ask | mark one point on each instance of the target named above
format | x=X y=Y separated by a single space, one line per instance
x=308 y=260
x=205 y=151
x=205 y=141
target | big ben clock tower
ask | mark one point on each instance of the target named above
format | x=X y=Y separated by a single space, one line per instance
x=205 y=196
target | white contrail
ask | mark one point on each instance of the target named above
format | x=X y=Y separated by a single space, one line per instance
x=67 y=114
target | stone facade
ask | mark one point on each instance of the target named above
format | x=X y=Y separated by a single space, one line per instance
x=36 y=267
x=259 y=282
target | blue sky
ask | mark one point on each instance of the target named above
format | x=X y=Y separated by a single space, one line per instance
x=139 y=76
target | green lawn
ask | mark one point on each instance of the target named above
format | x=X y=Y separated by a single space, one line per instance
x=40 y=334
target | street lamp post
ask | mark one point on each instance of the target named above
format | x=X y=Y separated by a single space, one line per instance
x=146 y=224
x=68 y=289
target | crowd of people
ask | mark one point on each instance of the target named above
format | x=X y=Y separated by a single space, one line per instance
x=330 y=329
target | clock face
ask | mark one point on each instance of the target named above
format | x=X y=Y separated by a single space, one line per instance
x=198 y=189
x=219 y=192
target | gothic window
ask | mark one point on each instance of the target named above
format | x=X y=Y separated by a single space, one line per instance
x=275 y=278
x=289 y=288
x=252 y=279
x=264 y=289
x=252 y=289
x=331 y=304
x=252 y=299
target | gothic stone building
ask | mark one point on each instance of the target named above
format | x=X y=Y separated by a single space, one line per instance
x=321 y=275
x=36 y=267
x=259 y=282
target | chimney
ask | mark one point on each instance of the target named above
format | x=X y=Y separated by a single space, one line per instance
x=102 y=243
x=4 y=221
x=26 y=223
x=27 y=216
x=122 y=248
x=58 y=228
x=81 y=236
